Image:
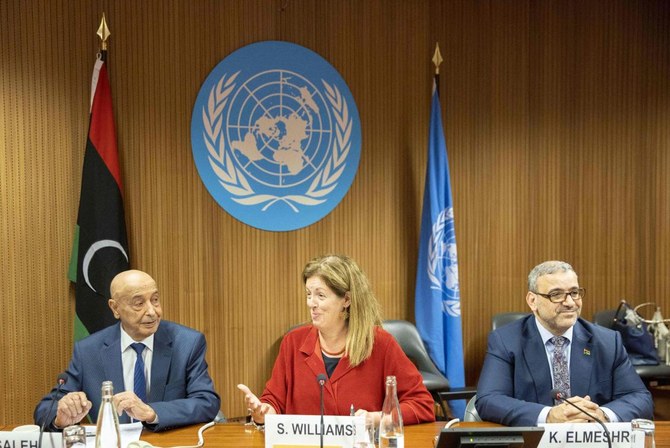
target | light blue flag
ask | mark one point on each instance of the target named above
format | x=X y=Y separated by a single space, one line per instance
x=438 y=305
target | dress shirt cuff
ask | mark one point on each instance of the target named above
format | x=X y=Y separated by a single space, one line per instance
x=611 y=416
x=52 y=426
x=542 y=418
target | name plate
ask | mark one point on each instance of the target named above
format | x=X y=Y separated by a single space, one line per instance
x=589 y=435
x=284 y=431
x=19 y=439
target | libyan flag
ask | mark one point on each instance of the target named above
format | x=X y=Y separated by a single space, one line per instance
x=100 y=247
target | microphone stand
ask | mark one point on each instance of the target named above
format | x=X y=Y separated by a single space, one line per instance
x=321 y=378
x=558 y=395
x=61 y=380
x=322 y=425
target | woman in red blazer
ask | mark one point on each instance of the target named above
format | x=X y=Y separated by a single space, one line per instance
x=345 y=341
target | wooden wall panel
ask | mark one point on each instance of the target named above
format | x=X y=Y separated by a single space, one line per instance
x=557 y=117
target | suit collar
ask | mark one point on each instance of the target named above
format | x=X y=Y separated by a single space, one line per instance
x=581 y=361
x=111 y=357
x=160 y=365
x=546 y=335
x=127 y=341
x=111 y=360
x=535 y=357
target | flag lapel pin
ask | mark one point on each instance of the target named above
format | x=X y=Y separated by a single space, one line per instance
x=587 y=352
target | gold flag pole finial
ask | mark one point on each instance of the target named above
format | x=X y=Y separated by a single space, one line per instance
x=103 y=32
x=437 y=58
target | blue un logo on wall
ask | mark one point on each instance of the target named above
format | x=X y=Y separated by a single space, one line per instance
x=276 y=136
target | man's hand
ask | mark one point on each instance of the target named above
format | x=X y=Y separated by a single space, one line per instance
x=72 y=408
x=563 y=412
x=135 y=408
x=601 y=415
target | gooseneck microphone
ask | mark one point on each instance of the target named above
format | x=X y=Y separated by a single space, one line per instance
x=60 y=380
x=321 y=378
x=559 y=395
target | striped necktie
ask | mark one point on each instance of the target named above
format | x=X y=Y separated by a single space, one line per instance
x=139 y=380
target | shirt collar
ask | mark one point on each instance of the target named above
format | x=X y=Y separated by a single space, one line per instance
x=546 y=334
x=126 y=340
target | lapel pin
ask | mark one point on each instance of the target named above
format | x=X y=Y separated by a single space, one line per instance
x=587 y=352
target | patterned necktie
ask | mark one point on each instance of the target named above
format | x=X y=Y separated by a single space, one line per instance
x=139 y=380
x=559 y=365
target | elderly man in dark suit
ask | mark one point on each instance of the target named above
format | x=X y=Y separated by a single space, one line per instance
x=158 y=368
x=555 y=349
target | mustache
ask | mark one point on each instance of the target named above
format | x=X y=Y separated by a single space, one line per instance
x=564 y=310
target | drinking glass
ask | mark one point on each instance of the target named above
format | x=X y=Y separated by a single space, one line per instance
x=74 y=437
x=369 y=435
x=643 y=433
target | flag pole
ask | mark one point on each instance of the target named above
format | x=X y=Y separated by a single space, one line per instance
x=437 y=304
x=103 y=32
x=101 y=217
x=437 y=60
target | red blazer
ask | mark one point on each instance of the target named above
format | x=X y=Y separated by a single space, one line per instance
x=293 y=388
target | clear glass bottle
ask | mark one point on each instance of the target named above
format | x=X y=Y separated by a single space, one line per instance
x=391 y=434
x=107 y=433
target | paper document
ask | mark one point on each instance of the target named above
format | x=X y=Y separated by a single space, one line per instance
x=130 y=432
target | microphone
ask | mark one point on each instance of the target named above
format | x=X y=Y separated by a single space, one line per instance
x=60 y=380
x=558 y=395
x=321 y=378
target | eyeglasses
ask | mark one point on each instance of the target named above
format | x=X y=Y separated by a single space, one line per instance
x=562 y=296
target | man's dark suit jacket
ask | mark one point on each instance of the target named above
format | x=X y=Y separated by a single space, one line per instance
x=515 y=382
x=182 y=392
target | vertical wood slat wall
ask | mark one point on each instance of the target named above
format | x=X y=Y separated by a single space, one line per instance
x=557 y=117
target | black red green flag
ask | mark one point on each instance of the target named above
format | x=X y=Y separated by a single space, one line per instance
x=100 y=248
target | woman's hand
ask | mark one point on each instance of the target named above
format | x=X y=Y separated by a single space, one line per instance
x=370 y=417
x=255 y=407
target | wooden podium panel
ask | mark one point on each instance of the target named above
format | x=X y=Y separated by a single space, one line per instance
x=238 y=435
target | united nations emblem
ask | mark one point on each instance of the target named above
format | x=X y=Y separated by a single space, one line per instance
x=443 y=262
x=276 y=136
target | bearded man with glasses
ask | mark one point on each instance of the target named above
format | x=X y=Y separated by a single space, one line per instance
x=554 y=349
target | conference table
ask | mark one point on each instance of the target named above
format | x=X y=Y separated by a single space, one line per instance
x=238 y=435
x=225 y=435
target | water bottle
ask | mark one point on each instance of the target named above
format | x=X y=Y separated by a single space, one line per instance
x=391 y=434
x=107 y=433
